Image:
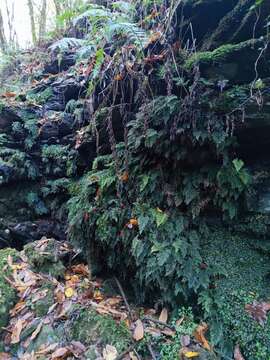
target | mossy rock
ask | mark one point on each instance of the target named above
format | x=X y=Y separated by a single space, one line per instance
x=233 y=62
x=7 y=293
x=46 y=261
x=42 y=306
x=244 y=278
x=91 y=328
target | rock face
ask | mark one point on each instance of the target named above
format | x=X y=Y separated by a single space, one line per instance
x=51 y=133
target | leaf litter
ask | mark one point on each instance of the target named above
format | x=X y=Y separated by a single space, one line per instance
x=76 y=287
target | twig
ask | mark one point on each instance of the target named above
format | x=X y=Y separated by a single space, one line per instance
x=147 y=318
x=151 y=351
x=131 y=348
x=124 y=297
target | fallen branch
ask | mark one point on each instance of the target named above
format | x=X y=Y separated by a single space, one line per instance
x=148 y=318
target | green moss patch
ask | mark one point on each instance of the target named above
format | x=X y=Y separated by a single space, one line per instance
x=7 y=293
x=45 y=259
x=245 y=278
x=91 y=328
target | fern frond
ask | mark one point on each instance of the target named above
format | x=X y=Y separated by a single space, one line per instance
x=66 y=44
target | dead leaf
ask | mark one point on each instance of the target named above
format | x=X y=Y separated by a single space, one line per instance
x=16 y=332
x=18 y=308
x=191 y=354
x=9 y=94
x=168 y=332
x=37 y=331
x=5 y=356
x=237 y=353
x=80 y=269
x=109 y=353
x=185 y=340
x=139 y=331
x=132 y=356
x=199 y=335
x=124 y=177
x=69 y=292
x=77 y=348
x=258 y=311
x=163 y=315
x=43 y=350
x=61 y=353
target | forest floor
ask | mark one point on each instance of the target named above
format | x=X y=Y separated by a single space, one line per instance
x=60 y=312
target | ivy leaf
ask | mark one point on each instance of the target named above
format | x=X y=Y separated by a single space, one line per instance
x=143 y=221
x=161 y=217
x=238 y=164
x=145 y=180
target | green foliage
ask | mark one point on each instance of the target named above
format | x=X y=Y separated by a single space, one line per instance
x=170 y=350
x=89 y=327
x=7 y=293
x=245 y=279
x=41 y=97
x=65 y=44
x=35 y=203
x=167 y=193
x=16 y=165
x=55 y=159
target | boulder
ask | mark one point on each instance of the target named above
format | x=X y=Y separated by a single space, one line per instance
x=8 y=115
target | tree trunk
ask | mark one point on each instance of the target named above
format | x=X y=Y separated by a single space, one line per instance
x=32 y=19
x=42 y=21
x=57 y=7
x=3 y=40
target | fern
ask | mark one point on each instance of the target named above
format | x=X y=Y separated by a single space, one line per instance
x=66 y=44
x=132 y=33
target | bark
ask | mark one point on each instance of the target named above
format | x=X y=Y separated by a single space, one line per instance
x=10 y=21
x=32 y=19
x=42 y=21
x=57 y=7
x=3 y=40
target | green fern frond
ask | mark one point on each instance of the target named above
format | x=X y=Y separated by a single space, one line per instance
x=66 y=44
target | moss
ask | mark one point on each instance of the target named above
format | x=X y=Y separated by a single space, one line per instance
x=234 y=62
x=47 y=261
x=90 y=328
x=42 y=306
x=7 y=293
x=244 y=278
x=41 y=97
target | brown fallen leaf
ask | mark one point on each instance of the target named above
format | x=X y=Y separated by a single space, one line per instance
x=61 y=353
x=237 y=353
x=16 y=332
x=168 y=332
x=80 y=269
x=163 y=315
x=77 y=348
x=199 y=335
x=9 y=94
x=5 y=356
x=258 y=311
x=185 y=340
x=44 y=350
x=132 y=356
x=17 y=308
x=109 y=353
x=37 y=331
x=138 y=333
